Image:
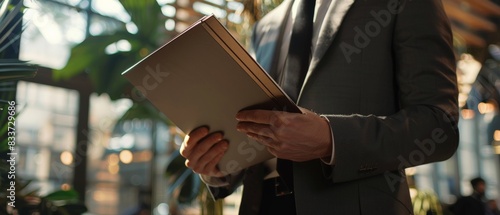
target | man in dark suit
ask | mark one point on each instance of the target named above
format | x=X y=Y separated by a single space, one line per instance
x=473 y=204
x=378 y=94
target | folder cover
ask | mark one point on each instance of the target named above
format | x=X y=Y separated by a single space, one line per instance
x=204 y=77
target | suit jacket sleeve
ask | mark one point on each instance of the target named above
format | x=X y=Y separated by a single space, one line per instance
x=424 y=129
x=222 y=187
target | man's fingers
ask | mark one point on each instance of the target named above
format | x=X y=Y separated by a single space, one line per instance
x=203 y=146
x=256 y=116
x=266 y=141
x=217 y=150
x=191 y=140
x=255 y=128
x=272 y=151
x=275 y=119
x=211 y=167
x=206 y=164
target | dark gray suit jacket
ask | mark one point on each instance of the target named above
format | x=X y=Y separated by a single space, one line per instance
x=384 y=75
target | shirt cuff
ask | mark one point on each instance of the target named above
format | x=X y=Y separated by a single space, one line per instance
x=215 y=181
x=329 y=160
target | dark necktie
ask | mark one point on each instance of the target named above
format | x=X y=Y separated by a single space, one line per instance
x=293 y=75
x=299 y=50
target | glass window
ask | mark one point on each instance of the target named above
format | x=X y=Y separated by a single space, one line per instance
x=120 y=159
x=111 y=8
x=52 y=30
x=124 y=160
x=46 y=135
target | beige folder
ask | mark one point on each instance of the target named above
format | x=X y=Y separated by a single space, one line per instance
x=204 y=77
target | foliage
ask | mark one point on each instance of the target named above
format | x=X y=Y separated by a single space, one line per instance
x=144 y=110
x=184 y=183
x=104 y=68
x=57 y=203
x=210 y=207
x=8 y=23
x=11 y=69
x=426 y=202
x=185 y=186
x=25 y=202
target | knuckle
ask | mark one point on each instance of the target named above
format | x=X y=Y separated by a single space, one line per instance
x=282 y=147
x=212 y=163
x=264 y=140
x=278 y=133
x=198 y=131
x=197 y=170
x=213 y=138
x=221 y=148
x=217 y=136
x=275 y=120
x=184 y=152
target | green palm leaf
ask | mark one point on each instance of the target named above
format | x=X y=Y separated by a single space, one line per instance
x=87 y=53
x=184 y=183
x=10 y=69
x=61 y=195
x=8 y=18
x=146 y=14
x=105 y=69
x=3 y=8
x=13 y=69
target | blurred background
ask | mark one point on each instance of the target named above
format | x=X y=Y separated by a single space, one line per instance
x=88 y=143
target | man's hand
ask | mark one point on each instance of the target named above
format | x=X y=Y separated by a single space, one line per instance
x=292 y=136
x=203 y=151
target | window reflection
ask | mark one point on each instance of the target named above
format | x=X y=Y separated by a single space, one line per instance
x=46 y=135
x=121 y=157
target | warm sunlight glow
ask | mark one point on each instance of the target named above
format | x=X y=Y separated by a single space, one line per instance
x=107 y=196
x=496 y=147
x=113 y=169
x=66 y=158
x=411 y=171
x=496 y=135
x=113 y=159
x=126 y=156
x=413 y=192
x=485 y=108
x=143 y=156
x=65 y=187
x=467 y=113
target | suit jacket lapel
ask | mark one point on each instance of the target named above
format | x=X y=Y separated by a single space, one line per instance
x=329 y=28
x=270 y=36
x=287 y=5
